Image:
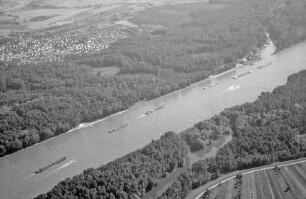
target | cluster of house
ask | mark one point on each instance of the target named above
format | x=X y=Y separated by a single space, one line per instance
x=45 y=47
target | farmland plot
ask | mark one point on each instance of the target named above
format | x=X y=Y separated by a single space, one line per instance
x=275 y=185
x=222 y=191
x=297 y=189
x=230 y=190
x=259 y=192
x=279 y=183
x=214 y=192
x=248 y=186
x=265 y=186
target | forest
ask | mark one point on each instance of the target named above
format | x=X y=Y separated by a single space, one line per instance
x=287 y=23
x=269 y=130
x=128 y=177
x=44 y=100
x=41 y=101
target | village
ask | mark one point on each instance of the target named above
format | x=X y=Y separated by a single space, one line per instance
x=54 y=47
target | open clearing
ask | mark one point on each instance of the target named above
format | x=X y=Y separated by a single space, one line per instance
x=208 y=151
x=105 y=71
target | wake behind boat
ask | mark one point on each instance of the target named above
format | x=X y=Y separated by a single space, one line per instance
x=65 y=165
x=51 y=165
x=211 y=85
x=234 y=87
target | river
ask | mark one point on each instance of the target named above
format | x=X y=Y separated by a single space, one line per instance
x=93 y=146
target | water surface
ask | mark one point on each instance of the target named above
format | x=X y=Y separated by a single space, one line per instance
x=93 y=146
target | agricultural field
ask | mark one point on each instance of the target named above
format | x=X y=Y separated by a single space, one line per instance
x=20 y=15
x=288 y=182
x=173 y=15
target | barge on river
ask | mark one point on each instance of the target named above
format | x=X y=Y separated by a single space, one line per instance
x=211 y=85
x=153 y=110
x=120 y=127
x=262 y=66
x=51 y=165
x=240 y=75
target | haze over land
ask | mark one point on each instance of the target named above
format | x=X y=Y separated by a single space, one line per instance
x=20 y=15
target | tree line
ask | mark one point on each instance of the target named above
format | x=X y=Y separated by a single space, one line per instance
x=269 y=130
x=128 y=177
x=265 y=131
x=44 y=100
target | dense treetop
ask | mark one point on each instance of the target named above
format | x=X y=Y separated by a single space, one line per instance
x=45 y=100
x=41 y=101
x=273 y=128
x=270 y=129
x=128 y=177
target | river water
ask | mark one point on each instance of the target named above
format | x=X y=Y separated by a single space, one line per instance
x=93 y=146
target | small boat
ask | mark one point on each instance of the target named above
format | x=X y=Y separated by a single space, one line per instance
x=239 y=65
x=233 y=87
x=51 y=165
x=153 y=110
x=123 y=126
x=120 y=127
x=211 y=85
x=111 y=131
x=236 y=86
x=262 y=66
x=160 y=107
x=149 y=112
x=240 y=75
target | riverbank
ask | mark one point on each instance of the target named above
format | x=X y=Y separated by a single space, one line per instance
x=61 y=126
x=92 y=147
x=247 y=150
x=79 y=127
x=84 y=125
